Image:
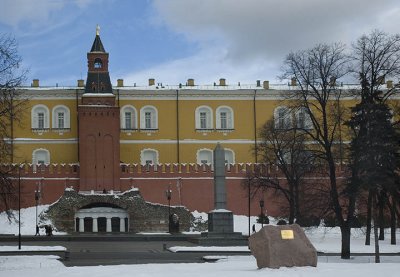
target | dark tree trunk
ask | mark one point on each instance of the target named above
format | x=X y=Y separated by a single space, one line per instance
x=393 y=221
x=381 y=222
x=369 y=217
x=291 y=204
x=297 y=202
x=345 y=230
x=291 y=211
x=375 y=215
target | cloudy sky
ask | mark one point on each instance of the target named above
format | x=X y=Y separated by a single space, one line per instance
x=173 y=40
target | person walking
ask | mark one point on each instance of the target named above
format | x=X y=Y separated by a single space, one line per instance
x=37 y=230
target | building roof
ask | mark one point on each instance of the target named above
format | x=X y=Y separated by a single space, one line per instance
x=97 y=45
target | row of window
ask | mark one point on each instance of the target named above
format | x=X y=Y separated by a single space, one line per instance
x=203 y=118
x=40 y=116
x=283 y=117
x=129 y=119
x=147 y=156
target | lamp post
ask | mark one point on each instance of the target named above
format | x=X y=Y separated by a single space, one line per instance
x=249 y=206
x=19 y=207
x=37 y=196
x=262 y=212
x=168 y=193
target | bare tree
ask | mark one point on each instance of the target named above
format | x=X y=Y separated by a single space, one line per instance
x=283 y=148
x=376 y=58
x=11 y=105
x=315 y=72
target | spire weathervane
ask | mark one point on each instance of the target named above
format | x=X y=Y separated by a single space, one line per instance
x=97 y=30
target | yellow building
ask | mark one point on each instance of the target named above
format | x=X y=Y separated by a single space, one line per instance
x=158 y=124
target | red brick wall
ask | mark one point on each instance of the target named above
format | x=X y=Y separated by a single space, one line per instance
x=195 y=182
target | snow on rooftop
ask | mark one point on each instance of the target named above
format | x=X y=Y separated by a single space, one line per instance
x=195 y=87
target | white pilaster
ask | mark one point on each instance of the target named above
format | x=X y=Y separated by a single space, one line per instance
x=122 y=224
x=108 y=228
x=94 y=226
x=81 y=225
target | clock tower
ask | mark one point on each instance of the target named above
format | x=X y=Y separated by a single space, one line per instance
x=98 y=117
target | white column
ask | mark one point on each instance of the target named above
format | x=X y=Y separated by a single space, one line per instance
x=122 y=224
x=108 y=229
x=81 y=225
x=94 y=226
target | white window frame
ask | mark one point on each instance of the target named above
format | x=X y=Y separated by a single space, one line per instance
x=209 y=118
x=282 y=121
x=232 y=153
x=55 y=119
x=132 y=110
x=307 y=124
x=35 y=119
x=143 y=159
x=35 y=154
x=154 y=118
x=229 y=118
x=209 y=152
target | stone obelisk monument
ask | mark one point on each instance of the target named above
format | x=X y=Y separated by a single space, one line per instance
x=220 y=220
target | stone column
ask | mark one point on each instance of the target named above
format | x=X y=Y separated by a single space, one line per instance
x=94 y=225
x=81 y=225
x=219 y=178
x=122 y=224
x=108 y=228
x=220 y=220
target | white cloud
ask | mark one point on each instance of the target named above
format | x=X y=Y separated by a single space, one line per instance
x=270 y=28
x=206 y=67
x=245 y=40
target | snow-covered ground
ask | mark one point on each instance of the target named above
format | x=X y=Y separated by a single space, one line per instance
x=233 y=266
x=28 y=222
x=324 y=239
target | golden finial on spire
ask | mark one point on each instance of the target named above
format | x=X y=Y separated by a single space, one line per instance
x=97 y=30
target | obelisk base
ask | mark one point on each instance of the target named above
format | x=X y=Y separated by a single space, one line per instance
x=220 y=221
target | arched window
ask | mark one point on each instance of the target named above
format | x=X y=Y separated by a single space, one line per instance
x=40 y=117
x=204 y=156
x=148 y=118
x=203 y=117
x=229 y=156
x=128 y=118
x=149 y=157
x=98 y=63
x=303 y=119
x=40 y=156
x=224 y=118
x=61 y=117
x=282 y=117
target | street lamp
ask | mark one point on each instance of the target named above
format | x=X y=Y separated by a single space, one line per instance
x=168 y=193
x=37 y=196
x=262 y=212
x=19 y=207
x=249 y=205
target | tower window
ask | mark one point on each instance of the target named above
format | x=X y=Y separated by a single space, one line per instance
x=98 y=63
